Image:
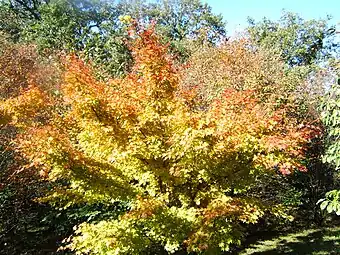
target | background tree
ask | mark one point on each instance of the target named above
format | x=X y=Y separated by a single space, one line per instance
x=93 y=28
x=90 y=28
x=299 y=42
x=16 y=14
x=180 y=22
x=306 y=46
x=179 y=19
x=236 y=65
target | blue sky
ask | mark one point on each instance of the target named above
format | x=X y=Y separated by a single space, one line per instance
x=236 y=12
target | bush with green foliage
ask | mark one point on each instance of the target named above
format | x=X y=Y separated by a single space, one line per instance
x=331 y=119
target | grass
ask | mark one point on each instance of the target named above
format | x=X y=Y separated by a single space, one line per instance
x=311 y=242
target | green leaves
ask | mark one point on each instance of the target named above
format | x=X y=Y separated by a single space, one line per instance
x=331 y=118
x=92 y=29
x=88 y=28
x=299 y=42
x=330 y=108
x=179 y=19
x=331 y=203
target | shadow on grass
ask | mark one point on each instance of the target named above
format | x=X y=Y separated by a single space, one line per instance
x=314 y=241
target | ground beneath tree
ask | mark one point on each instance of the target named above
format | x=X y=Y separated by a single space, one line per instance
x=311 y=241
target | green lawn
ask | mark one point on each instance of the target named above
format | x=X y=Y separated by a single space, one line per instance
x=312 y=241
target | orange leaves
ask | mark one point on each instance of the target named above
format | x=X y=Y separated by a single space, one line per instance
x=236 y=115
x=233 y=210
x=38 y=144
x=152 y=79
x=222 y=209
x=144 y=208
x=21 y=66
x=153 y=66
x=247 y=126
x=221 y=223
x=17 y=64
x=234 y=104
x=26 y=83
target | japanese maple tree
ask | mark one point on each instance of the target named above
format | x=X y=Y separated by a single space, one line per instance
x=181 y=171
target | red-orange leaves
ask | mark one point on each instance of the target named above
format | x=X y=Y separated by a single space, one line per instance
x=249 y=127
x=153 y=66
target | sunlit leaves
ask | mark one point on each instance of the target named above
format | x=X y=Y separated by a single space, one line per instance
x=138 y=139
